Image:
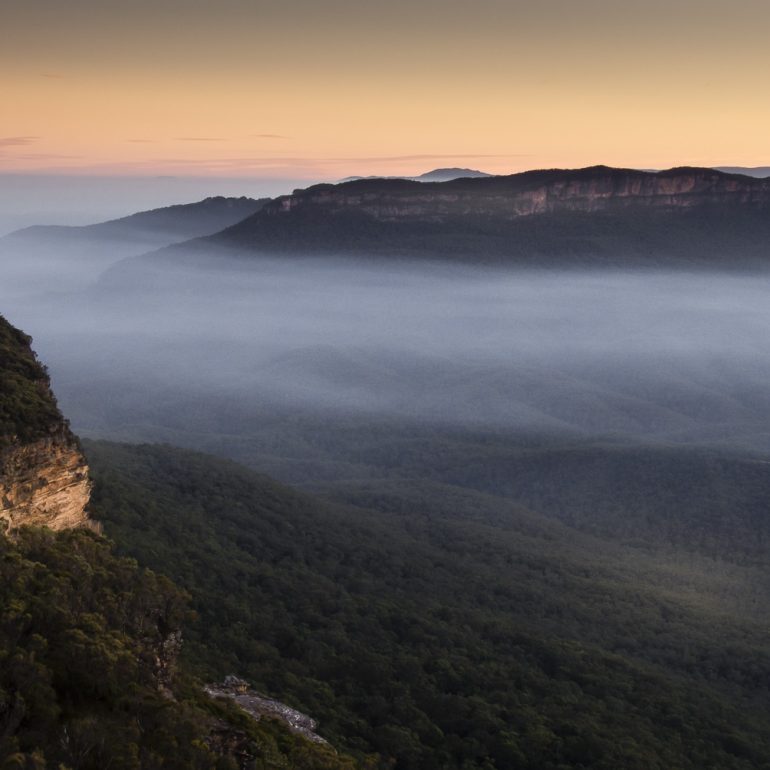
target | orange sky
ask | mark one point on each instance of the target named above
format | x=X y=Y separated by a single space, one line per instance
x=328 y=88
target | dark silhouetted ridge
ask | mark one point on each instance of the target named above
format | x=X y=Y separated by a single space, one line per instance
x=598 y=215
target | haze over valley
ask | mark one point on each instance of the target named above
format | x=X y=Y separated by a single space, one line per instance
x=545 y=447
x=163 y=346
x=384 y=386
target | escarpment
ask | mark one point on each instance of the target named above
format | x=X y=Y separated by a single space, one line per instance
x=539 y=192
x=44 y=483
x=44 y=479
x=595 y=215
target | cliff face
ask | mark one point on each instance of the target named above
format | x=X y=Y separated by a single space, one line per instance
x=44 y=483
x=593 y=216
x=43 y=474
x=540 y=192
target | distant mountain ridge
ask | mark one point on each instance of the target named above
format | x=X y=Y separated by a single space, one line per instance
x=436 y=175
x=533 y=192
x=758 y=171
x=598 y=214
x=178 y=222
x=38 y=258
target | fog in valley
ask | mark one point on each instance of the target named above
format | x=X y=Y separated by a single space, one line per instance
x=204 y=353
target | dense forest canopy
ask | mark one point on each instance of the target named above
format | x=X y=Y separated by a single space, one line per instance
x=446 y=640
x=88 y=675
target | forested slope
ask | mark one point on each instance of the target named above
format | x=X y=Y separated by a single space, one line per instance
x=444 y=640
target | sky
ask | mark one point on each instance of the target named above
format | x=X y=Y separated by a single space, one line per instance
x=322 y=89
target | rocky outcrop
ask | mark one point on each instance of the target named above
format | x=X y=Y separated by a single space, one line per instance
x=44 y=477
x=521 y=195
x=44 y=483
x=593 y=216
x=257 y=706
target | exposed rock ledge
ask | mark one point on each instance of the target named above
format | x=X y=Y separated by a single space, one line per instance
x=44 y=483
x=257 y=706
x=506 y=198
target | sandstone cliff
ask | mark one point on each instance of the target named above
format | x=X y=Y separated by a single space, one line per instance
x=537 y=192
x=44 y=483
x=596 y=215
x=44 y=477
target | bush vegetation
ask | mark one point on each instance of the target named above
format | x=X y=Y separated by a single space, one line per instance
x=27 y=408
x=439 y=639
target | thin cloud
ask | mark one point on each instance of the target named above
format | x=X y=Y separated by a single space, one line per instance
x=46 y=156
x=17 y=141
x=294 y=167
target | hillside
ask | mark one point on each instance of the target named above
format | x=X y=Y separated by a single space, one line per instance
x=758 y=171
x=448 y=628
x=42 y=259
x=43 y=474
x=28 y=409
x=598 y=215
x=89 y=675
x=89 y=641
x=444 y=598
x=156 y=226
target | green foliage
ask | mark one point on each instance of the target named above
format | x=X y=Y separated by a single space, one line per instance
x=80 y=635
x=449 y=628
x=27 y=408
x=84 y=657
x=698 y=500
